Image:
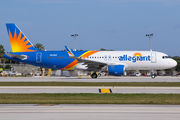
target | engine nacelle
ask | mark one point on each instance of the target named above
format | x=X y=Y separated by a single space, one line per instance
x=117 y=70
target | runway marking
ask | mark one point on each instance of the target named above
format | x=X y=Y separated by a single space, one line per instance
x=105 y=91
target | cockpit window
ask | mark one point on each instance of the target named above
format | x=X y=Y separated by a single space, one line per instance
x=165 y=57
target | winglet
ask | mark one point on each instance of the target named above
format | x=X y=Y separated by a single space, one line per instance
x=69 y=52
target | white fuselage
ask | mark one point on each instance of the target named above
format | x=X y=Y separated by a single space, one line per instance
x=133 y=60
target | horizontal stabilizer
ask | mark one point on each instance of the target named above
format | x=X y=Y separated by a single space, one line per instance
x=16 y=56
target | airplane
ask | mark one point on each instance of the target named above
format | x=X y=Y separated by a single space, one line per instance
x=115 y=62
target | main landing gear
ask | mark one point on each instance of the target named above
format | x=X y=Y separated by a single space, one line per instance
x=94 y=75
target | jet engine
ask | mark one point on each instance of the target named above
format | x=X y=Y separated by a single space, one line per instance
x=116 y=70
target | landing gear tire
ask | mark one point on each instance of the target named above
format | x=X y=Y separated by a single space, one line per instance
x=153 y=76
x=94 y=75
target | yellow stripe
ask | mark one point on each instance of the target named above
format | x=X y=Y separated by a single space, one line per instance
x=75 y=62
x=105 y=91
x=71 y=67
x=84 y=53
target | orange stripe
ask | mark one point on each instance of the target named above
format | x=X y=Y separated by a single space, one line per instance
x=70 y=65
x=88 y=53
x=74 y=63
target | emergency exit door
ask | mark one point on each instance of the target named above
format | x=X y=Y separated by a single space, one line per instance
x=38 y=57
x=153 y=57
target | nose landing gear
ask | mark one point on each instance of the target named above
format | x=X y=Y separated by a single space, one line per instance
x=153 y=75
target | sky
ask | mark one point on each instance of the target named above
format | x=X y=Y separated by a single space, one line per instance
x=111 y=24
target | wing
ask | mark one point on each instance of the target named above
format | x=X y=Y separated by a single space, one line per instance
x=91 y=64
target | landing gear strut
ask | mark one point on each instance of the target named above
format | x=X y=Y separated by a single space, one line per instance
x=94 y=75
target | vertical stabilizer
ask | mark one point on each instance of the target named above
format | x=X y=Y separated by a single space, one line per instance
x=19 y=42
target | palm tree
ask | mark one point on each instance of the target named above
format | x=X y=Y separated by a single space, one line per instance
x=39 y=46
x=2 y=51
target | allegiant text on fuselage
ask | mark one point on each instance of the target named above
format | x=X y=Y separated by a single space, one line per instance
x=134 y=58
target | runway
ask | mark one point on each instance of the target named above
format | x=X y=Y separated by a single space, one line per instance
x=55 y=89
x=89 y=79
x=88 y=112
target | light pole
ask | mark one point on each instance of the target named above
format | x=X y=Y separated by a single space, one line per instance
x=149 y=35
x=74 y=35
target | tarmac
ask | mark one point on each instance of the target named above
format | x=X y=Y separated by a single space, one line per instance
x=75 y=89
x=81 y=89
x=89 y=79
x=88 y=112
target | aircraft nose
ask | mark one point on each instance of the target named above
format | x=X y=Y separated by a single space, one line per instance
x=173 y=63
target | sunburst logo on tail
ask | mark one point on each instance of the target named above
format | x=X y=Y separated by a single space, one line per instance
x=19 y=44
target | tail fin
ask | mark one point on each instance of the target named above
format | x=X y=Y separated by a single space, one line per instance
x=19 y=42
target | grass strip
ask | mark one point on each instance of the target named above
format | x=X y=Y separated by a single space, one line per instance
x=84 y=98
x=134 y=84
